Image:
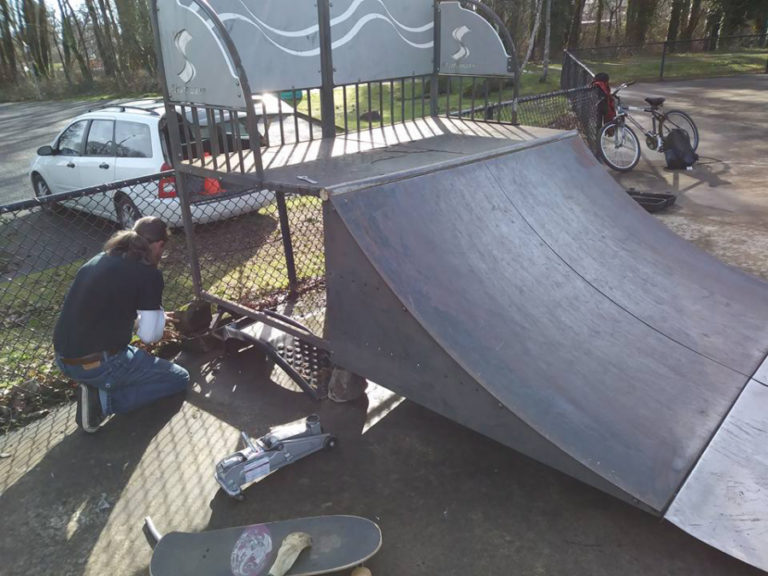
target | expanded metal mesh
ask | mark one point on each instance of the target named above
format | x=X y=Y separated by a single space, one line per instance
x=44 y=242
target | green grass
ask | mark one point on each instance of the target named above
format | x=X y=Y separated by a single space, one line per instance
x=679 y=65
x=28 y=307
x=253 y=270
x=408 y=100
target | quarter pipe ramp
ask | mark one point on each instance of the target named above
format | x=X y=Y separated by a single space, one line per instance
x=526 y=296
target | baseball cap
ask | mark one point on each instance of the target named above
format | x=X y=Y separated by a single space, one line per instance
x=151 y=228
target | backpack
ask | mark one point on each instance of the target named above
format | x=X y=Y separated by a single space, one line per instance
x=606 y=107
x=678 y=151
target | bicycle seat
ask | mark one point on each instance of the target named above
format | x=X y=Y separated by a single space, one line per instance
x=655 y=102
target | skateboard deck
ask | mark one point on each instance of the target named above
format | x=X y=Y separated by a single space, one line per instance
x=338 y=543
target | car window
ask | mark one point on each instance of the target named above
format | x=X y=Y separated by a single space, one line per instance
x=71 y=140
x=100 y=136
x=133 y=140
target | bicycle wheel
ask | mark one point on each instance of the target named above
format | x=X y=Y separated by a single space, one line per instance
x=681 y=120
x=619 y=146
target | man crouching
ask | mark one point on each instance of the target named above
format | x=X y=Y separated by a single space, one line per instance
x=96 y=325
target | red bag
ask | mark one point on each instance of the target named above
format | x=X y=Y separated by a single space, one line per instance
x=606 y=107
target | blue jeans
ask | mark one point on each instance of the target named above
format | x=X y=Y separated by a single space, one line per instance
x=129 y=379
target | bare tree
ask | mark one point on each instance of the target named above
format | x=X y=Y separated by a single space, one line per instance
x=599 y=21
x=534 y=32
x=103 y=45
x=547 y=39
x=33 y=35
x=82 y=54
x=7 y=49
x=575 y=30
x=640 y=14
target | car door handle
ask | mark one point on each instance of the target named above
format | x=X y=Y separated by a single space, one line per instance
x=104 y=166
x=70 y=164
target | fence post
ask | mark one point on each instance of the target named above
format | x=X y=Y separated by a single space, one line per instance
x=285 y=232
x=434 y=84
x=663 y=60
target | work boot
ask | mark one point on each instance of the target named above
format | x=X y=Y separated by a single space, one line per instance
x=89 y=415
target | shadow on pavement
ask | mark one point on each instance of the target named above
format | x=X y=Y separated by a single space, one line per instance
x=448 y=500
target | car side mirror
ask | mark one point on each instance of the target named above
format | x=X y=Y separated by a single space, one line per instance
x=45 y=151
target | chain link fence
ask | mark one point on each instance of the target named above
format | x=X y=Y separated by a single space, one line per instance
x=700 y=57
x=572 y=108
x=272 y=258
x=44 y=241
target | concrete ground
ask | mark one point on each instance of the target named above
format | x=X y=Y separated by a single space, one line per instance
x=448 y=500
x=722 y=204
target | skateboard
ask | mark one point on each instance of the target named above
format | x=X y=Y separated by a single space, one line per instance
x=297 y=547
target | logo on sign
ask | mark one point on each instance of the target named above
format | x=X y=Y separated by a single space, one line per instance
x=458 y=34
x=181 y=41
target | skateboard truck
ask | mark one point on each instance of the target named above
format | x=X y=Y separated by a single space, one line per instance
x=283 y=445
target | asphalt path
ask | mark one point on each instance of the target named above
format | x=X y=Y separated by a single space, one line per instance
x=24 y=127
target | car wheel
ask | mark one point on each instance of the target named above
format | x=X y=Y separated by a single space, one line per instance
x=42 y=190
x=127 y=213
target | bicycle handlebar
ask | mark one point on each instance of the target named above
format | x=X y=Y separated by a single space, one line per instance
x=622 y=86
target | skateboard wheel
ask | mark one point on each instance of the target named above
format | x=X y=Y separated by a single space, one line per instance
x=361 y=571
x=330 y=443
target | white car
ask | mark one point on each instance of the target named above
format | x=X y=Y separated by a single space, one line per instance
x=121 y=143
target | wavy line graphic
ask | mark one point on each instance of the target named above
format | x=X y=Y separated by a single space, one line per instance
x=370 y=18
x=348 y=13
x=353 y=7
x=189 y=71
x=349 y=36
x=228 y=16
x=458 y=35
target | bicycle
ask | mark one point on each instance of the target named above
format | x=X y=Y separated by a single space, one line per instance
x=620 y=146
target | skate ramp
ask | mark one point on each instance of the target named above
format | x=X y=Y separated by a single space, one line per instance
x=526 y=296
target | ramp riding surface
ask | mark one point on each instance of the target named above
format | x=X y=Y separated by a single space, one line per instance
x=528 y=297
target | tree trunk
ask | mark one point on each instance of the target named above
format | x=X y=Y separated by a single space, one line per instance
x=111 y=37
x=65 y=57
x=575 y=29
x=137 y=39
x=693 y=19
x=547 y=39
x=8 y=49
x=674 y=23
x=101 y=46
x=640 y=15
x=599 y=21
x=714 y=22
x=69 y=41
x=534 y=32
x=147 y=38
x=83 y=59
x=33 y=32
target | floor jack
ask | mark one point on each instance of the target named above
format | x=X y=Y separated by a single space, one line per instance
x=283 y=445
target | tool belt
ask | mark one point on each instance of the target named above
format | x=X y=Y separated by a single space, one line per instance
x=89 y=361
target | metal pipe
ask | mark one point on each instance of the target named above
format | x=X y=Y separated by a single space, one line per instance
x=285 y=232
x=327 y=107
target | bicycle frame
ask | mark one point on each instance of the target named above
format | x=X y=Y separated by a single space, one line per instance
x=656 y=119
